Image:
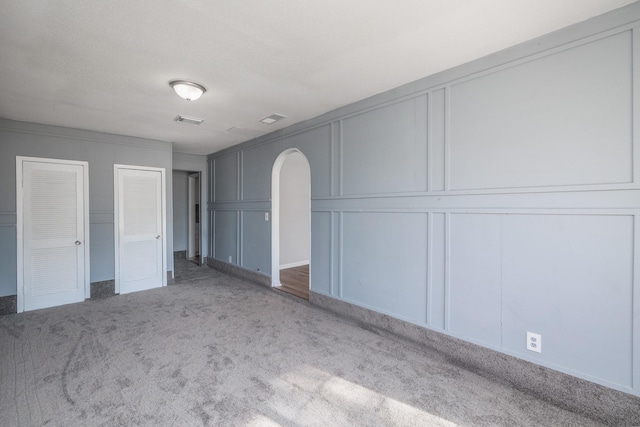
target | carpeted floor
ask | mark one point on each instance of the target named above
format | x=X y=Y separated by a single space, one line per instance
x=217 y=351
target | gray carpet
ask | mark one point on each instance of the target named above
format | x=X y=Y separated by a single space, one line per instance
x=214 y=350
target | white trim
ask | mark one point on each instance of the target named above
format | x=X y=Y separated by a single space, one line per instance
x=116 y=219
x=20 y=226
x=275 y=212
x=116 y=234
x=294 y=264
x=19 y=237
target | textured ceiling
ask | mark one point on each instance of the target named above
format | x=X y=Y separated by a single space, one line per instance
x=106 y=65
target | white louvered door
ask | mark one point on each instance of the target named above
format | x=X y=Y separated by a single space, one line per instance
x=140 y=228
x=52 y=214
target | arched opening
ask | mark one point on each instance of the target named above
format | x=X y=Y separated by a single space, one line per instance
x=291 y=223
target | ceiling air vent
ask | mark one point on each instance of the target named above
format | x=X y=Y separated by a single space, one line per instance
x=187 y=119
x=272 y=118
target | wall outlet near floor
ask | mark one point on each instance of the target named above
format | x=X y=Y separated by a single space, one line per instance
x=230 y=258
x=266 y=216
x=534 y=342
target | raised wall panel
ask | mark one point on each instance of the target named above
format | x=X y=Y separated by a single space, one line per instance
x=385 y=150
x=563 y=119
x=226 y=178
x=213 y=238
x=437 y=135
x=226 y=237
x=321 y=252
x=570 y=279
x=474 y=284
x=315 y=144
x=8 y=260
x=336 y=158
x=336 y=253
x=256 y=172
x=256 y=235
x=437 y=263
x=379 y=264
x=211 y=182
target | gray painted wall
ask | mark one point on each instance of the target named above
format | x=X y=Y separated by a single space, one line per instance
x=102 y=151
x=496 y=198
x=295 y=212
x=180 y=210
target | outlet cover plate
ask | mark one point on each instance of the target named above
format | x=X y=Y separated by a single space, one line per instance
x=534 y=342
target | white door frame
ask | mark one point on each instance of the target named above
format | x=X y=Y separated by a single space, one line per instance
x=20 y=225
x=275 y=213
x=116 y=219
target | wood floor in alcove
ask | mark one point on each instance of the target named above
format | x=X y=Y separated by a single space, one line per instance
x=295 y=281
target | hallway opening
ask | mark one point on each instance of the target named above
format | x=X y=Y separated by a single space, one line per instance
x=291 y=223
x=187 y=214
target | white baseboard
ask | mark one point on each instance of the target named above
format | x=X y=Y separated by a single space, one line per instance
x=294 y=264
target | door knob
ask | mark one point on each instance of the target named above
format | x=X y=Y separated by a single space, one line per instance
x=158 y=236
x=78 y=242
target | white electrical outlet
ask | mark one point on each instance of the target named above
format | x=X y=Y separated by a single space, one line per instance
x=266 y=216
x=230 y=259
x=534 y=342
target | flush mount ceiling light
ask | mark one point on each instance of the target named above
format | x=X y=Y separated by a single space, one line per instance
x=187 y=90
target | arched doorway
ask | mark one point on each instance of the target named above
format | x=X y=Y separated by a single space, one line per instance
x=291 y=223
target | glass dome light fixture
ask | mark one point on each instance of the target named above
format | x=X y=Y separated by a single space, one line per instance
x=187 y=90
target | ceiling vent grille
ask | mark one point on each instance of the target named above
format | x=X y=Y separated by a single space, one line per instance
x=272 y=118
x=187 y=119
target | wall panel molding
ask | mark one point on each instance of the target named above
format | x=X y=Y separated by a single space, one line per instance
x=336 y=156
x=239 y=217
x=569 y=125
x=392 y=141
x=428 y=265
x=340 y=253
x=477 y=230
x=492 y=191
x=240 y=169
x=596 y=200
x=227 y=166
x=636 y=304
x=341 y=159
x=636 y=103
x=437 y=140
x=437 y=265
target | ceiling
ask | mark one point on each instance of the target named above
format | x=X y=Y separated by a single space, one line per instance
x=106 y=65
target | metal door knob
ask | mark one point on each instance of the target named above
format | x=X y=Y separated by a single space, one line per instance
x=78 y=242
x=158 y=236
